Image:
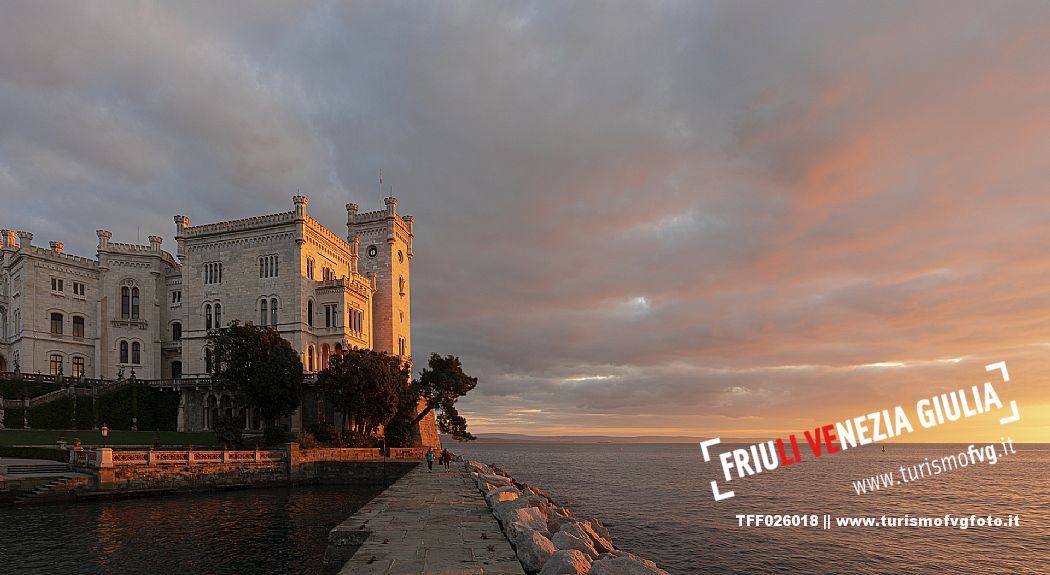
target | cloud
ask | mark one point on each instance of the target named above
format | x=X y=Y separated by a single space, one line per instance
x=668 y=216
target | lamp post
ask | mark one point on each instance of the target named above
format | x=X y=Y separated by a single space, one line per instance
x=105 y=434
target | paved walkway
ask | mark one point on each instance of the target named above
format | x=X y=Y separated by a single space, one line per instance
x=434 y=523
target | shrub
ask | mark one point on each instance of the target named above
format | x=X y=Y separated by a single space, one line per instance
x=357 y=439
x=228 y=431
x=306 y=440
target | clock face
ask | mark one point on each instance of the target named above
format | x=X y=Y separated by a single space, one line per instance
x=372 y=251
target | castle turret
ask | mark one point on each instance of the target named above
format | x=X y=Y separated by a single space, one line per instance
x=181 y=223
x=154 y=243
x=300 y=206
x=351 y=217
x=103 y=239
x=25 y=239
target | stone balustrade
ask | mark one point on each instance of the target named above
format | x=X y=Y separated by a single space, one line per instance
x=105 y=457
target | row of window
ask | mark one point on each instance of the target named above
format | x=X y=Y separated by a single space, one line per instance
x=213 y=273
x=268 y=266
x=326 y=353
x=77 y=363
x=327 y=273
x=272 y=306
x=136 y=352
x=211 y=320
x=58 y=285
x=356 y=320
x=176 y=296
x=129 y=302
x=58 y=323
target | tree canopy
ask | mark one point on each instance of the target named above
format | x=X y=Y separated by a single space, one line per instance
x=260 y=367
x=440 y=385
x=366 y=386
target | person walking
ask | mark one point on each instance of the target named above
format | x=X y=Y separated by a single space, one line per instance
x=430 y=460
x=446 y=458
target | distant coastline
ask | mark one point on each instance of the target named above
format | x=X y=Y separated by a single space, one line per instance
x=489 y=438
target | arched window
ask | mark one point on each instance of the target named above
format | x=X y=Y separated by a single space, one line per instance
x=401 y=284
x=56 y=324
x=56 y=364
x=78 y=326
x=310 y=268
x=125 y=302
x=273 y=311
x=218 y=316
x=325 y=354
x=136 y=353
x=310 y=312
x=176 y=331
x=207 y=361
x=176 y=370
x=207 y=316
x=123 y=352
x=310 y=358
x=262 y=312
x=134 y=303
x=338 y=349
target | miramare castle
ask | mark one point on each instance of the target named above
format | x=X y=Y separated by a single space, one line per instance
x=138 y=308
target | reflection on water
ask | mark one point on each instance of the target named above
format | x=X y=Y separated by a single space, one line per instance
x=252 y=531
x=656 y=500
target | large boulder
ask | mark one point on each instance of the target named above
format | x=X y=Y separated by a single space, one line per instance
x=602 y=544
x=528 y=518
x=566 y=562
x=600 y=529
x=584 y=531
x=570 y=541
x=557 y=518
x=533 y=550
x=504 y=493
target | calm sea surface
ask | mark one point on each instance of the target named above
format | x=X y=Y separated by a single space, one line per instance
x=257 y=531
x=656 y=500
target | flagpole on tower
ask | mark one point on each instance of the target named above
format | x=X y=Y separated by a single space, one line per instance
x=380 y=188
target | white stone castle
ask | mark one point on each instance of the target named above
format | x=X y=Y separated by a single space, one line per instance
x=138 y=308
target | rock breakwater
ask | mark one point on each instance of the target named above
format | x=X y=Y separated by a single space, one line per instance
x=549 y=539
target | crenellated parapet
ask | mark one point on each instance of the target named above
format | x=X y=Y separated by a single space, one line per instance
x=246 y=224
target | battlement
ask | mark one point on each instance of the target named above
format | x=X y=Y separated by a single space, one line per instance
x=355 y=218
x=328 y=234
x=254 y=222
x=361 y=284
x=60 y=256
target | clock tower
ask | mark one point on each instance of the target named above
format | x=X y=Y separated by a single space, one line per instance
x=384 y=241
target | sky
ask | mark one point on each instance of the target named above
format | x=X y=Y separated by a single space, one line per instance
x=632 y=218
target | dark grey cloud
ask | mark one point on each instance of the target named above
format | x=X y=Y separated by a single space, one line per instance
x=623 y=209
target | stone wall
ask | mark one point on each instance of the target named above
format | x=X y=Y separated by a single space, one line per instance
x=193 y=477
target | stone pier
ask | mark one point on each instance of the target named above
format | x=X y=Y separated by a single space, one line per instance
x=434 y=523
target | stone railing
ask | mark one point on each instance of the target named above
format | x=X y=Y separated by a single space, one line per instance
x=355 y=454
x=104 y=457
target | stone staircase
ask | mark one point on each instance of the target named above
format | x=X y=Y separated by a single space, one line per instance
x=57 y=488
